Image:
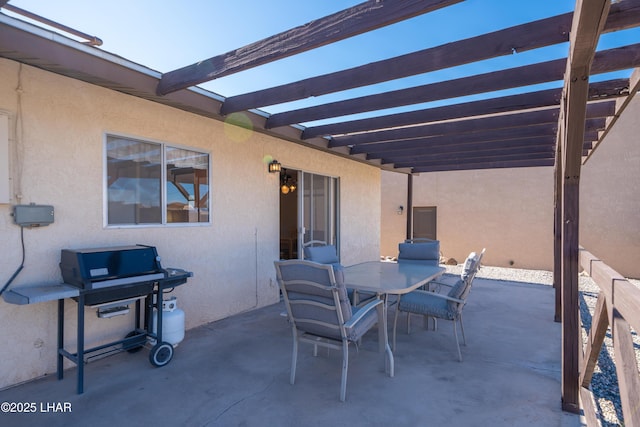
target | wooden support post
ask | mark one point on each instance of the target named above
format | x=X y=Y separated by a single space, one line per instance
x=557 y=223
x=574 y=116
x=588 y=21
x=409 y=206
x=570 y=308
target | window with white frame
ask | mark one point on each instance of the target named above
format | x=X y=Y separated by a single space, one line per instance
x=154 y=183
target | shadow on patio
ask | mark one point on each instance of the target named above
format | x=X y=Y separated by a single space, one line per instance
x=236 y=372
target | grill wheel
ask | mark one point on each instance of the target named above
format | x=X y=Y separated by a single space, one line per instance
x=161 y=354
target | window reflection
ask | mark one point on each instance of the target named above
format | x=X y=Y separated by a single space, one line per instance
x=187 y=186
x=134 y=177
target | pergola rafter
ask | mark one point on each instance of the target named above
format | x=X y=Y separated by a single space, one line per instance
x=606 y=61
x=342 y=136
x=347 y=23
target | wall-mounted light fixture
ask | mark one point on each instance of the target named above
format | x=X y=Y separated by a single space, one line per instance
x=274 y=166
x=287 y=183
x=400 y=210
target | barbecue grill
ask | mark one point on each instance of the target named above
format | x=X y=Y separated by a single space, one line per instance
x=111 y=279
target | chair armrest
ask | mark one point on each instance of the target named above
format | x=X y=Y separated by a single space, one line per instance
x=435 y=286
x=362 y=311
x=435 y=282
x=445 y=297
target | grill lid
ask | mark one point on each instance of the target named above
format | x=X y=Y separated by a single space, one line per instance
x=86 y=268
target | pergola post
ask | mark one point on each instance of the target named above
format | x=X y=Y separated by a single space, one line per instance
x=557 y=224
x=409 y=206
x=588 y=20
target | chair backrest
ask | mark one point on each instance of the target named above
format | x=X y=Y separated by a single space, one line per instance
x=463 y=286
x=469 y=266
x=427 y=252
x=459 y=291
x=316 y=302
x=420 y=240
x=319 y=251
x=472 y=265
x=314 y=243
x=480 y=258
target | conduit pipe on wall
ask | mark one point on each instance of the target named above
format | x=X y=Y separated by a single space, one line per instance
x=91 y=40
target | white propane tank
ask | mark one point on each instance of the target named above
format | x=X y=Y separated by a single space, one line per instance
x=172 y=322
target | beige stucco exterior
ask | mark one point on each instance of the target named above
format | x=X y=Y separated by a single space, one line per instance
x=610 y=196
x=56 y=139
x=510 y=211
x=507 y=211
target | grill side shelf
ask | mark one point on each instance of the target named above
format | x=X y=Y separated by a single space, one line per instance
x=24 y=295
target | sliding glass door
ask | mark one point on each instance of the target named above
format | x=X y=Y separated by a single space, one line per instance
x=318 y=209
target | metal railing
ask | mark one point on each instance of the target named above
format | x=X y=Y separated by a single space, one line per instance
x=618 y=307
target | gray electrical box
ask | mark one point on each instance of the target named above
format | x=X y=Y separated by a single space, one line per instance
x=33 y=215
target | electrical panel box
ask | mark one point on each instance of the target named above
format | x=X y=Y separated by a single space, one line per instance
x=33 y=215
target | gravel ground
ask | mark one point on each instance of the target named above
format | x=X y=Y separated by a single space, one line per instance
x=604 y=384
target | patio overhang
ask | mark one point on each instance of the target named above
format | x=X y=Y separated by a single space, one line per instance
x=404 y=141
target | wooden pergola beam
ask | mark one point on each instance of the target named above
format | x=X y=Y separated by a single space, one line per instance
x=588 y=22
x=350 y=22
x=520 y=146
x=486 y=165
x=470 y=139
x=605 y=61
x=523 y=101
x=544 y=129
x=520 y=119
x=544 y=32
x=463 y=159
x=481 y=83
x=532 y=35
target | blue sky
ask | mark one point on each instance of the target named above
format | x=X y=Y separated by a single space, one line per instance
x=165 y=35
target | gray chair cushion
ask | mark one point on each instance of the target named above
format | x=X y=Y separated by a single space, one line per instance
x=423 y=302
x=469 y=265
x=427 y=251
x=323 y=254
x=459 y=291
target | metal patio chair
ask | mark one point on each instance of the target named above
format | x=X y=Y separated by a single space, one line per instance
x=469 y=268
x=319 y=251
x=437 y=305
x=321 y=314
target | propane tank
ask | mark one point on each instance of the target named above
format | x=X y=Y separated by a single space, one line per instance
x=172 y=321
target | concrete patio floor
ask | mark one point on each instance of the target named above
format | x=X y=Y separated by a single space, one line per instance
x=235 y=372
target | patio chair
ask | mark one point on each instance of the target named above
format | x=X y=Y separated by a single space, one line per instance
x=320 y=312
x=421 y=251
x=437 y=306
x=425 y=251
x=469 y=268
x=319 y=251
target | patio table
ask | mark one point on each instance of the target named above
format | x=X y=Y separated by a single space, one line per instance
x=389 y=278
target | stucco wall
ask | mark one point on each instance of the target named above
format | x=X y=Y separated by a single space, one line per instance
x=57 y=159
x=508 y=211
x=610 y=196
